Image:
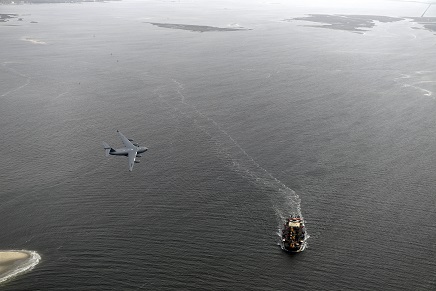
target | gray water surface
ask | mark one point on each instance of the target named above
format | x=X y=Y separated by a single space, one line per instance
x=244 y=126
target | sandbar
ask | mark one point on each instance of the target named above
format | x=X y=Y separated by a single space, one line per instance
x=16 y=262
x=428 y=23
x=6 y=17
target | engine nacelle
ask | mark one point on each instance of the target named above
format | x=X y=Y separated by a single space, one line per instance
x=138 y=156
x=137 y=162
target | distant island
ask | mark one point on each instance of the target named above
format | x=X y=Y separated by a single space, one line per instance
x=360 y=23
x=6 y=17
x=13 y=263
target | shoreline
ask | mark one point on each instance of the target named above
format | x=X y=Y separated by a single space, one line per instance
x=16 y=262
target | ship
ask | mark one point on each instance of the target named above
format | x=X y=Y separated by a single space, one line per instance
x=294 y=235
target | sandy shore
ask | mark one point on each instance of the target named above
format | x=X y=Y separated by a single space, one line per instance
x=14 y=262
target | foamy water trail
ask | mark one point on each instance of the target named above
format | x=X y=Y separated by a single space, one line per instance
x=284 y=200
x=28 y=265
x=422 y=81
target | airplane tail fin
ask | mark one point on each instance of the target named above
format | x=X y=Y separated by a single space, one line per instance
x=107 y=149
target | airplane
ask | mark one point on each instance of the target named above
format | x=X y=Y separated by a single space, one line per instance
x=131 y=150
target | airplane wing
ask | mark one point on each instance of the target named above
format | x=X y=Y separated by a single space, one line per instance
x=127 y=143
x=132 y=158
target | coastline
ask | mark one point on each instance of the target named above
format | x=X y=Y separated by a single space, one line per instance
x=15 y=262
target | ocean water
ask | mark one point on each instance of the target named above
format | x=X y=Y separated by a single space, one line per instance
x=243 y=128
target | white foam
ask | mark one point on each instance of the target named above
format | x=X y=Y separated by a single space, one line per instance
x=28 y=265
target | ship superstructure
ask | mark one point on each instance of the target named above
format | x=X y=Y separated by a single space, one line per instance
x=294 y=235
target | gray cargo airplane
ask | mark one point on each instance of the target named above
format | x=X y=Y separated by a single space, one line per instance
x=131 y=150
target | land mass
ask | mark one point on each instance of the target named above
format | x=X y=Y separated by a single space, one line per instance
x=428 y=23
x=6 y=17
